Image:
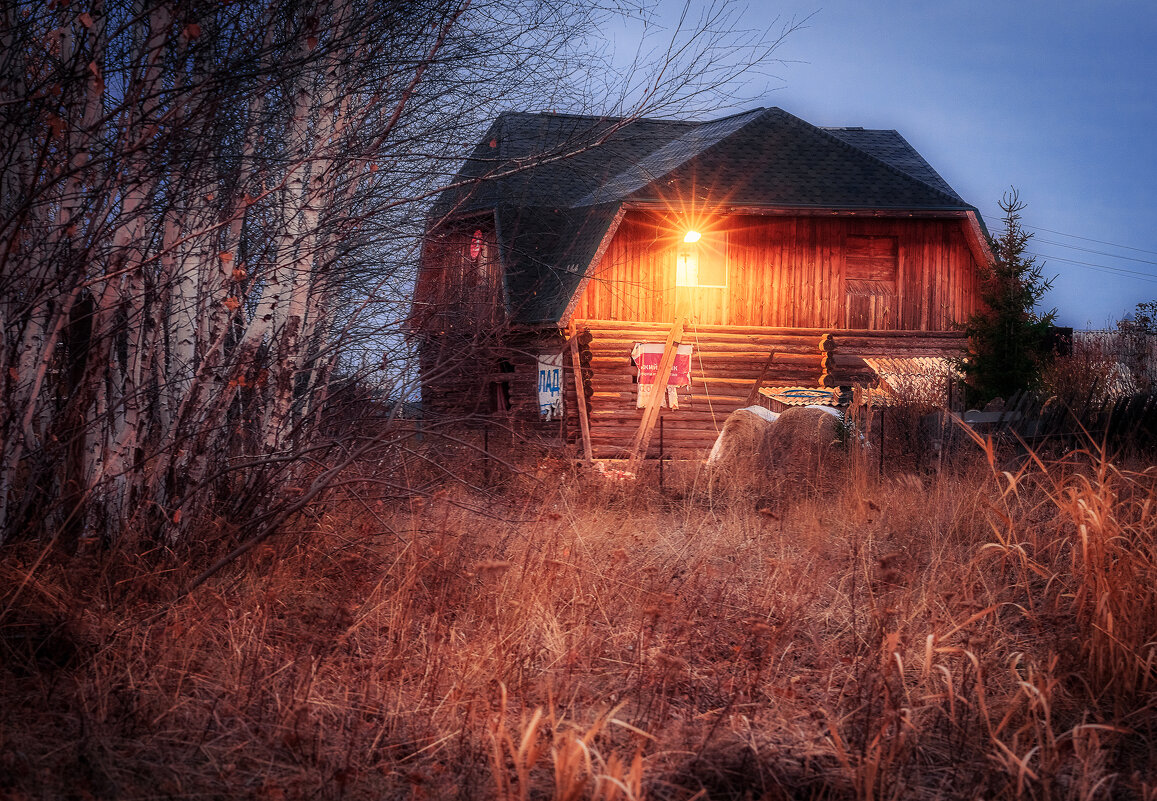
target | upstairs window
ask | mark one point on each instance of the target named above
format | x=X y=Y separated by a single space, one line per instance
x=702 y=263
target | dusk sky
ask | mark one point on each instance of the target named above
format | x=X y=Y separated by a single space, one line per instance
x=1054 y=98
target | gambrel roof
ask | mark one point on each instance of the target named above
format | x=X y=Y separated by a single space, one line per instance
x=557 y=184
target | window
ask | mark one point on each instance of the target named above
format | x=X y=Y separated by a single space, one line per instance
x=701 y=264
x=687 y=266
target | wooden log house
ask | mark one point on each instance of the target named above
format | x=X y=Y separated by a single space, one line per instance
x=782 y=253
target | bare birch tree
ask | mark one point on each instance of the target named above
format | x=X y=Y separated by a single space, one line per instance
x=205 y=206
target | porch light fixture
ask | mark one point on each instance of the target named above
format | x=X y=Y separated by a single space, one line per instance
x=692 y=236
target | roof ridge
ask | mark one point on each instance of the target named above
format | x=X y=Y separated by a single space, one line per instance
x=601 y=117
x=756 y=114
x=733 y=116
x=639 y=166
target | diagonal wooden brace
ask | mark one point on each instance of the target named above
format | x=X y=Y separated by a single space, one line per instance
x=655 y=401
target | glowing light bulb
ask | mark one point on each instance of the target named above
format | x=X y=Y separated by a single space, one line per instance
x=692 y=236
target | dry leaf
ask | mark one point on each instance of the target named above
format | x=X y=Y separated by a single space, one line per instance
x=85 y=20
x=232 y=304
x=226 y=257
x=177 y=516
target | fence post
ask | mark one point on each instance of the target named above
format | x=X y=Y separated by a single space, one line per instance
x=660 y=454
x=486 y=448
x=883 y=416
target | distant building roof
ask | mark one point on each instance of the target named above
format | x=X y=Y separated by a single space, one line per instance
x=556 y=183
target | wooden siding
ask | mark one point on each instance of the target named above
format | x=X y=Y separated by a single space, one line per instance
x=475 y=381
x=459 y=284
x=791 y=271
x=465 y=379
x=470 y=367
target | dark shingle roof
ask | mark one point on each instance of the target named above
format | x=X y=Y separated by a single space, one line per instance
x=546 y=252
x=672 y=155
x=556 y=182
x=551 y=159
x=777 y=160
x=890 y=147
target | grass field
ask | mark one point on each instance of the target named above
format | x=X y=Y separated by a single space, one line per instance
x=551 y=633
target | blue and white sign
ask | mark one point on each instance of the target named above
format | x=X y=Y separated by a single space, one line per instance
x=550 y=386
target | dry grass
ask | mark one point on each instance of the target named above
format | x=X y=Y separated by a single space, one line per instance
x=984 y=634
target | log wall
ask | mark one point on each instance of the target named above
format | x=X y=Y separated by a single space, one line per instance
x=726 y=361
x=492 y=381
x=790 y=271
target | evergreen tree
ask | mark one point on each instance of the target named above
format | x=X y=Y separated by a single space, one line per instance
x=1009 y=340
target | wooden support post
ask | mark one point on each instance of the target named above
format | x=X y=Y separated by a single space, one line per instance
x=655 y=401
x=661 y=454
x=754 y=394
x=581 y=399
x=486 y=449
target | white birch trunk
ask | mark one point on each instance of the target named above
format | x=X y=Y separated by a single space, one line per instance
x=110 y=449
x=50 y=292
x=313 y=187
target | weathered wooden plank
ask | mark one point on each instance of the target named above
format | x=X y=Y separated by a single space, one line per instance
x=580 y=399
x=677 y=429
x=601 y=330
x=737 y=382
x=611 y=435
x=753 y=395
x=708 y=363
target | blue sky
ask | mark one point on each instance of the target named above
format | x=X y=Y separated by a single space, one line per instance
x=1058 y=99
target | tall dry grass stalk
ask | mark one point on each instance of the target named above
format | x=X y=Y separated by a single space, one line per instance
x=548 y=634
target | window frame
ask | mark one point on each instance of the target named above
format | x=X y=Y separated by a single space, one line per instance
x=684 y=275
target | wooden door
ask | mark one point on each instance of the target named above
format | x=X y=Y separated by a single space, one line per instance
x=870 y=285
